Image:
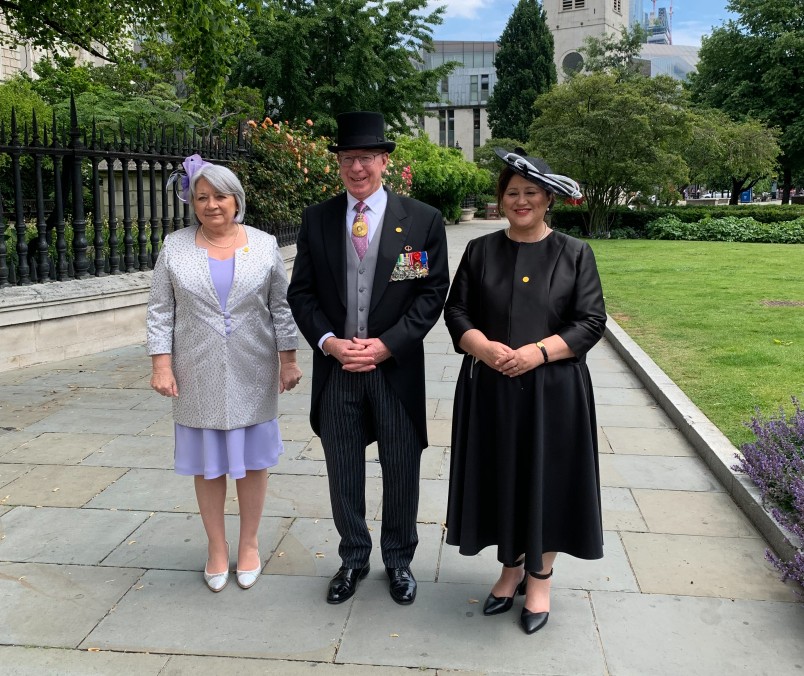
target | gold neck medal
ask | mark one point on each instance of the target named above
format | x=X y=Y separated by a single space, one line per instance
x=359 y=227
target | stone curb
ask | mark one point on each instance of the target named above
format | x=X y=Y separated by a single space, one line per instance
x=711 y=444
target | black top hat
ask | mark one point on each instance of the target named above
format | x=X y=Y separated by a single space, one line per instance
x=361 y=129
x=537 y=171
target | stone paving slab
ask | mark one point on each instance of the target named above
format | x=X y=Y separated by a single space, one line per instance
x=67 y=536
x=280 y=618
x=16 y=417
x=178 y=542
x=163 y=427
x=692 y=513
x=465 y=639
x=60 y=485
x=641 y=416
x=18 y=661
x=605 y=379
x=658 y=472
x=9 y=474
x=12 y=440
x=84 y=378
x=192 y=666
x=154 y=490
x=694 y=565
x=642 y=441
x=622 y=396
x=310 y=548
x=620 y=510
x=94 y=420
x=294 y=495
x=107 y=399
x=657 y=635
x=134 y=452
x=57 y=606
x=55 y=448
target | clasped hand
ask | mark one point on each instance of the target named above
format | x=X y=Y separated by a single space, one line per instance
x=508 y=361
x=358 y=355
x=289 y=376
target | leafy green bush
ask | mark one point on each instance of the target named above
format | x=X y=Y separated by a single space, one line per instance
x=441 y=176
x=729 y=229
x=288 y=170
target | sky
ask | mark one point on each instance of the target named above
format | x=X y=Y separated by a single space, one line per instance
x=486 y=19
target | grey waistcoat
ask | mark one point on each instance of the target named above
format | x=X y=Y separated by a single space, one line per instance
x=359 y=280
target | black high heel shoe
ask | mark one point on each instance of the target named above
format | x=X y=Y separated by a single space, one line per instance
x=531 y=622
x=495 y=605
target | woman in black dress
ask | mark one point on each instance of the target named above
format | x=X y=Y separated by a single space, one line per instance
x=525 y=307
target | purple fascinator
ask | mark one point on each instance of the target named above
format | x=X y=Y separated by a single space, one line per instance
x=181 y=177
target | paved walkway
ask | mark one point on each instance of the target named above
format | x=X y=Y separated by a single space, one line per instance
x=101 y=549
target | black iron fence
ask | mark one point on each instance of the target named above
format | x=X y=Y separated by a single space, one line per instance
x=75 y=204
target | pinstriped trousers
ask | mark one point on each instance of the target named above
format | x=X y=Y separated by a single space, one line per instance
x=355 y=406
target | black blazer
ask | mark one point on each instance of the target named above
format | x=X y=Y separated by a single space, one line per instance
x=401 y=313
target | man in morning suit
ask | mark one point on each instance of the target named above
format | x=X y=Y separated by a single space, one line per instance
x=369 y=282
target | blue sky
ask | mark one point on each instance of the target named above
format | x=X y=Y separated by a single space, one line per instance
x=486 y=19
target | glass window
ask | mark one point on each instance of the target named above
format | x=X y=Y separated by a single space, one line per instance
x=476 y=114
x=473 y=90
x=484 y=88
x=451 y=128
x=442 y=127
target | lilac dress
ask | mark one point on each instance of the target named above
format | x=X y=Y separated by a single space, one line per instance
x=213 y=453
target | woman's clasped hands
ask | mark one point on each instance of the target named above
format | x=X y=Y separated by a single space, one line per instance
x=510 y=362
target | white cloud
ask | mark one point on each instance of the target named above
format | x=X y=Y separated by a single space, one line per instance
x=466 y=9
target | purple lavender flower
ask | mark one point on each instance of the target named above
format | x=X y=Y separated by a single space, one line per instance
x=775 y=463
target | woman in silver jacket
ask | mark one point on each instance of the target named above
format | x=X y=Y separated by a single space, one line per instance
x=223 y=345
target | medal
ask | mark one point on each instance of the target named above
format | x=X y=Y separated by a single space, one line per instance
x=359 y=227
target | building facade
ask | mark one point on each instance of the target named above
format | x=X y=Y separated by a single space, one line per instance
x=22 y=58
x=458 y=117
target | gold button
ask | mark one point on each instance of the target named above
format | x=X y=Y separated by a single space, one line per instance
x=245 y=249
x=399 y=229
x=526 y=279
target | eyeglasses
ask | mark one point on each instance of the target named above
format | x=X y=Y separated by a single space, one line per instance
x=365 y=160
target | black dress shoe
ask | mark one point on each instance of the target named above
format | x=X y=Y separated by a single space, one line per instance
x=342 y=587
x=403 y=585
x=529 y=621
x=495 y=605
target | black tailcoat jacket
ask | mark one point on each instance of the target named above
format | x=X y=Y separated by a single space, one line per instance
x=401 y=312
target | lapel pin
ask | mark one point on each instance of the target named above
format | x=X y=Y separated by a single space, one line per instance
x=399 y=229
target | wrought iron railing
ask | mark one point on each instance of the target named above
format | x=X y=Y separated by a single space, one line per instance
x=57 y=178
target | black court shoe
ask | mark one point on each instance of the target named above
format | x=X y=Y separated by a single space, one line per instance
x=531 y=622
x=495 y=605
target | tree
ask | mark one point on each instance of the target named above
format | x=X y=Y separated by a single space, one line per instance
x=614 y=137
x=206 y=35
x=610 y=54
x=728 y=154
x=751 y=66
x=313 y=60
x=525 y=69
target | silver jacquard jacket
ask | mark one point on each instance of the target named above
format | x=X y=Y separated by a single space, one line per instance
x=226 y=364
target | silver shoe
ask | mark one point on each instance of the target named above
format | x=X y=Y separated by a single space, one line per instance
x=246 y=579
x=217 y=581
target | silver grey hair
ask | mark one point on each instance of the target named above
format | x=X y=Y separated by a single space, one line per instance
x=224 y=181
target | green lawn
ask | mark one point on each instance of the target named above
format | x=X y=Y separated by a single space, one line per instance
x=708 y=313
